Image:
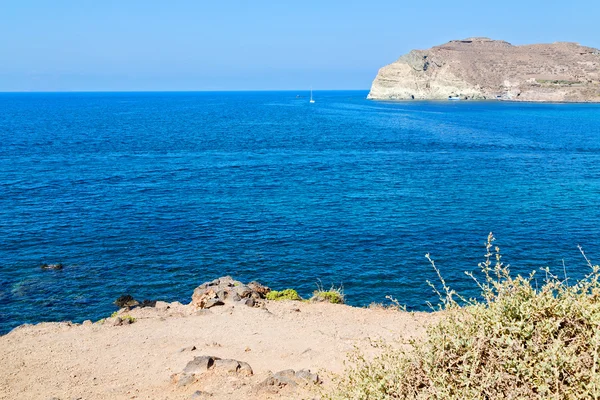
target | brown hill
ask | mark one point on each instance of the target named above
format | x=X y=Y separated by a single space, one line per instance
x=481 y=68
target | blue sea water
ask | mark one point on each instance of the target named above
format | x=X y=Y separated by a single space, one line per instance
x=152 y=194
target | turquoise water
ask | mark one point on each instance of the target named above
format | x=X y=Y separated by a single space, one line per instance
x=152 y=194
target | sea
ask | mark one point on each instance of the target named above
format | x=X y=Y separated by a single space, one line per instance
x=152 y=194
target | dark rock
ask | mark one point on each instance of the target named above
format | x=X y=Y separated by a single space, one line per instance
x=198 y=394
x=148 y=303
x=129 y=302
x=249 y=302
x=200 y=364
x=54 y=267
x=126 y=301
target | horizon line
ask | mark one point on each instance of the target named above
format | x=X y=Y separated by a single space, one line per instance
x=178 y=91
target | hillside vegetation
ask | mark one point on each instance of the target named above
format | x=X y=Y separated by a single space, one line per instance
x=518 y=341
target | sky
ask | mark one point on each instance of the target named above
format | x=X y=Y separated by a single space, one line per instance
x=152 y=45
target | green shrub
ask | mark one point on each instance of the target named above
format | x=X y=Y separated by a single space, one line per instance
x=128 y=318
x=330 y=296
x=287 y=294
x=333 y=295
x=518 y=342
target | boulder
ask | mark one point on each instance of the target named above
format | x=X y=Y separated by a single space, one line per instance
x=227 y=366
x=126 y=301
x=289 y=378
x=243 y=291
x=306 y=375
x=226 y=289
x=260 y=289
x=245 y=369
x=148 y=303
x=202 y=364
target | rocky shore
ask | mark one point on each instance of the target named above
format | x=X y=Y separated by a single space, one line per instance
x=229 y=342
x=485 y=69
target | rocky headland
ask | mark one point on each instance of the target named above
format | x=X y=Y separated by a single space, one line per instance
x=485 y=69
x=232 y=341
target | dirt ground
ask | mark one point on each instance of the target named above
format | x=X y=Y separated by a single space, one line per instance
x=141 y=360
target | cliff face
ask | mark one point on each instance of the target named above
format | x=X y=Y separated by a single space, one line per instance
x=481 y=68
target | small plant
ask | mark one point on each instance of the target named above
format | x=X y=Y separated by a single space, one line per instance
x=115 y=314
x=287 y=294
x=518 y=342
x=333 y=295
x=393 y=305
x=128 y=318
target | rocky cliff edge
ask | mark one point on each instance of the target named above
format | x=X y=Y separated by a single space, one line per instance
x=486 y=69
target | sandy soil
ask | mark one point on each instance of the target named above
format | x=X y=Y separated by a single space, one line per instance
x=136 y=361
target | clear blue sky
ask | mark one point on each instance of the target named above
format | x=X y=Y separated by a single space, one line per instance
x=82 y=45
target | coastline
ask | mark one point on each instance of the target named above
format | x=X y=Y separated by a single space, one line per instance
x=435 y=100
x=143 y=352
x=483 y=68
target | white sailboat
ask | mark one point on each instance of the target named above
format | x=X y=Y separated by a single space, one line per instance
x=311 y=99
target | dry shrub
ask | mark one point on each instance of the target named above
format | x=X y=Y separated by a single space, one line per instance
x=518 y=342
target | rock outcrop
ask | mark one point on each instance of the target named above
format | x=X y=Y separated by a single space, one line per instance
x=226 y=289
x=202 y=364
x=127 y=301
x=481 y=68
x=290 y=378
